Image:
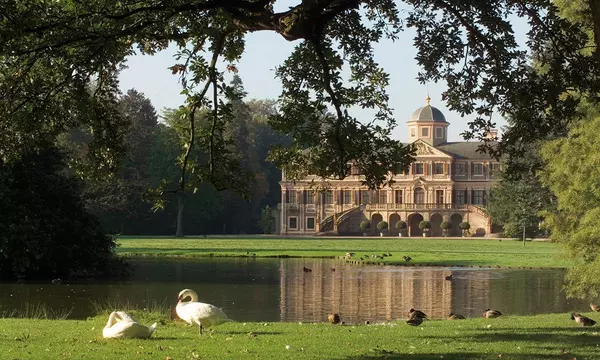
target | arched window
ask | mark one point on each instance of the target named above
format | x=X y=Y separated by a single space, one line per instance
x=419 y=196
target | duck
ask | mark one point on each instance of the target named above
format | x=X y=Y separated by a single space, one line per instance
x=333 y=318
x=449 y=277
x=453 y=316
x=194 y=312
x=406 y=258
x=595 y=307
x=414 y=319
x=582 y=320
x=419 y=313
x=305 y=269
x=491 y=314
x=121 y=325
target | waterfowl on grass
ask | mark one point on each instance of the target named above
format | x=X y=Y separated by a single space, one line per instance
x=201 y=314
x=333 y=318
x=582 y=320
x=419 y=313
x=491 y=314
x=415 y=319
x=121 y=325
x=453 y=316
x=595 y=307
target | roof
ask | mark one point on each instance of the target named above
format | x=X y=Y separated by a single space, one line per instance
x=463 y=150
x=428 y=113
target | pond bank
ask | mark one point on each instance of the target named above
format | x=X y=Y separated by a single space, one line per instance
x=508 y=337
x=422 y=251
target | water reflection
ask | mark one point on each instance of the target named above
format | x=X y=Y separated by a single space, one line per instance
x=280 y=290
x=378 y=293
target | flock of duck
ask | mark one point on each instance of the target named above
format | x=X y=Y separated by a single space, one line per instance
x=416 y=317
x=124 y=326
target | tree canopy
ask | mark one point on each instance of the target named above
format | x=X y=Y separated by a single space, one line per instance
x=51 y=50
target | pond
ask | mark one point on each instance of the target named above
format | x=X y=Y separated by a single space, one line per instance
x=251 y=289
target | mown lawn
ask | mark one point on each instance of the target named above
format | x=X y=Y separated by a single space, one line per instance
x=508 y=338
x=490 y=252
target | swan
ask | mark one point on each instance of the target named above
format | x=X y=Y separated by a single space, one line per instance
x=123 y=326
x=194 y=312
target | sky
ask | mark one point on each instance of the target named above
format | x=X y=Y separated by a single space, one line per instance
x=266 y=50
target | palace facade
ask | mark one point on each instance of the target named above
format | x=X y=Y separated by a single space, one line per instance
x=448 y=181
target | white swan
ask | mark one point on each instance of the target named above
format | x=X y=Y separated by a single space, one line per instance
x=194 y=312
x=121 y=325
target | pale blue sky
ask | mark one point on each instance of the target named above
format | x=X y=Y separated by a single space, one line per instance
x=266 y=50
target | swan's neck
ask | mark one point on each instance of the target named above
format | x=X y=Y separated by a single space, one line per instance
x=112 y=319
x=192 y=295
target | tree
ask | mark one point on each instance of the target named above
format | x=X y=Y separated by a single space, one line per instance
x=572 y=175
x=517 y=204
x=45 y=231
x=50 y=50
x=266 y=222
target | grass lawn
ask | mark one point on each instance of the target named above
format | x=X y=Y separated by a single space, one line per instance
x=507 y=338
x=423 y=251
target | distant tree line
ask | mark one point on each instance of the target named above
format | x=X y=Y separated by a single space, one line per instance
x=126 y=203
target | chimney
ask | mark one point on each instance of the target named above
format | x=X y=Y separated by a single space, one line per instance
x=491 y=134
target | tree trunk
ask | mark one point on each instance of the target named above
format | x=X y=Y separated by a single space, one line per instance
x=180 y=204
x=595 y=10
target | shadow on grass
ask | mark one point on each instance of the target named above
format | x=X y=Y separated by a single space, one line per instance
x=456 y=356
x=250 y=333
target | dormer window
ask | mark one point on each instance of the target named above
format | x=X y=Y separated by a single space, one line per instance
x=439 y=132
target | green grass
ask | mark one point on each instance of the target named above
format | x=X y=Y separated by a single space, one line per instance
x=508 y=338
x=507 y=253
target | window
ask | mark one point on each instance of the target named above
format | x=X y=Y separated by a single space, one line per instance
x=328 y=197
x=425 y=132
x=460 y=168
x=290 y=197
x=382 y=195
x=398 y=197
x=293 y=223
x=419 y=196
x=418 y=168
x=309 y=197
x=347 y=196
x=478 y=198
x=438 y=168
x=439 y=196
x=439 y=132
x=310 y=223
x=348 y=169
x=478 y=169
x=413 y=132
x=364 y=196
x=460 y=197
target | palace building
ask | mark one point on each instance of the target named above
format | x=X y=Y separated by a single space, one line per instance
x=448 y=181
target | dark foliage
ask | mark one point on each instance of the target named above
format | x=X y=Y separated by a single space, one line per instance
x=45 y=231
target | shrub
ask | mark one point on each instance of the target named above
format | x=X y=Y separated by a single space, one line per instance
x=424 y=225
x=383 y=225
x=445 y=225
x=402 y=225
x=464 y=225
x=46 y=231
x=365 y=225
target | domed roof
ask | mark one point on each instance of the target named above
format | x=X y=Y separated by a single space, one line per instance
x=427 y=113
